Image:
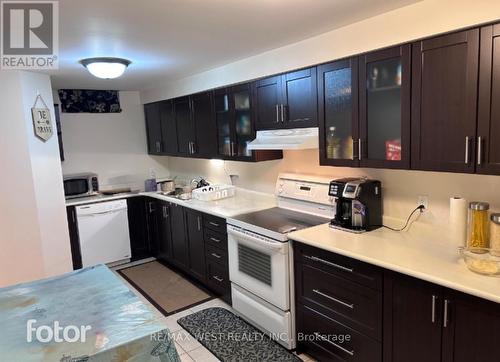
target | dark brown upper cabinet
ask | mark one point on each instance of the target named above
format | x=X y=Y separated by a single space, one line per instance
x=384 y=108
x=444 y=100
x=234 y=116
x=286 y=101
x=186 y=130
x=168 y=128
x=202 y=114
x=338 y=112
x=488 y=131
x=153 y=127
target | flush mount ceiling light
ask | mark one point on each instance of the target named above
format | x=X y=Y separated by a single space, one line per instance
x=105 y=68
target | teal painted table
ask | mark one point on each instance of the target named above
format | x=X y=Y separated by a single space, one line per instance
x=93 y=302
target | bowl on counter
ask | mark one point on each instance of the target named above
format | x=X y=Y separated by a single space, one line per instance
x=483 y=261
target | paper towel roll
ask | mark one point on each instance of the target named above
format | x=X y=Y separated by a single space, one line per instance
x=458 y=220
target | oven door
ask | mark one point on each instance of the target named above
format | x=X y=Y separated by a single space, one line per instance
x=260 y=265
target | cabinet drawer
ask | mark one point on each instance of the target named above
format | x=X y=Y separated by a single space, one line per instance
x=328 y=340
x=218 y=277
x=215 y=223
x=357 y=306
x=215 y=239
x=348 y=268
x=216 y=255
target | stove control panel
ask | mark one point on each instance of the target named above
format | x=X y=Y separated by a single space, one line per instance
x=312 y=189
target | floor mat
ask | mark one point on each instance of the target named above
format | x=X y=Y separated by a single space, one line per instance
x=164 y=288
x=232 y=339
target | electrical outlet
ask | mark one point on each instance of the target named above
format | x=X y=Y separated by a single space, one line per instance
x=423 y=200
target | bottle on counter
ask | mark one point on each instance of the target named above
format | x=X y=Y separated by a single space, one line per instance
x=332 y=144
x=495 y=234
x=477 y=226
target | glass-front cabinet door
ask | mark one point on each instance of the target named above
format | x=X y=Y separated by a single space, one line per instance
x=243 y=129
x=338 y=112
x=384 y=108
x=223 y=120
x=234 y=122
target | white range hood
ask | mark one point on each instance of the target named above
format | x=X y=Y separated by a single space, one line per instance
x=285 y=139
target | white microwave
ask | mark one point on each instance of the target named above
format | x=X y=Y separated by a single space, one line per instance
x=80 y=185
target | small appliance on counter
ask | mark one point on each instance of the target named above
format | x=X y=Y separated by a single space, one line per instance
x=80 y=185
x=358 y=204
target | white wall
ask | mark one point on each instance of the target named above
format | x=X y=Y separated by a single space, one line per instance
x=421 y=19
x=113 y=145
x=34 y=241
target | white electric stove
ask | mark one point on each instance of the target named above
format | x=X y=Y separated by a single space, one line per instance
x=260 y=256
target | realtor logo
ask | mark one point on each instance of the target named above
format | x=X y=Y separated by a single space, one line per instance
x=29 y=35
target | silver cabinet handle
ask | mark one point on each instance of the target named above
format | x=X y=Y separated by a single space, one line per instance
x=352 y=154
x=277 y=113
x=214 y=224
x=350 y=353
x=216 y=255
x=198 y=219
x=150 y=205
x=343 y=268
x=282 y=113
x=215 y=239
x=359 y=149
x=158 y=146
x=433 y=310
x=479 y=150
x=467 y=150
x=219 y=279
x=348 y=305
x=445 y=313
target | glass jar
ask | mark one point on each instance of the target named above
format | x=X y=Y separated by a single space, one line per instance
x=477 y=226
x=495 y=234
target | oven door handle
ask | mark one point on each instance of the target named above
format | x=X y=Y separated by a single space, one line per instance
x=272 y=245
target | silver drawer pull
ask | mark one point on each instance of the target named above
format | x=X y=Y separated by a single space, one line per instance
x=214 y=224
x=216 y=256
x=433 y=309
x=215 y=239
x=334 y=299
x=220 y=280
x=350 y=353
x=315 y=258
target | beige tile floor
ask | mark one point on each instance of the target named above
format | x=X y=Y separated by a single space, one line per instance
x=189 y=349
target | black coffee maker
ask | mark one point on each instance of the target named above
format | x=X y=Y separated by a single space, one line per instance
x=358 y=204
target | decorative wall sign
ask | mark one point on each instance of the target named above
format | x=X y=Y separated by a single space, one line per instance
x=42 y=124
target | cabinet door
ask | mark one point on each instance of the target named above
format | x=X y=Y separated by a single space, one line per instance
x=412 y=320
x=196 y=244
x=179 y=241
x=444 y=97
x=206 y=131
x=338 y=112
x=384 y=108
x=164 y=231
x=185 y=127
x=300 y=99
x=223 y=119
x=153 y=127
x=242 y=122
x=152 y=207
x=472 y=329
x=168 y=128
x=488 y=133
x=138 y=228
x=268 y=95
x=74 y=239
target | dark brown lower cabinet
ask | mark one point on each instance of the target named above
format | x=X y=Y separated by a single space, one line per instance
x=138 y=227
x=74 y=240
x=408 y=320
x=195 y=244
x=164 y=230
x=179 y=237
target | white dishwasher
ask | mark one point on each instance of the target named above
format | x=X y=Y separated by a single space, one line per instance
x=103 y=232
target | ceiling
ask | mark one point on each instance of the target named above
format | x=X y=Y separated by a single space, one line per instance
x=172 y=39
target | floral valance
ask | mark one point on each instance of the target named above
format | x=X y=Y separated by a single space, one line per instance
x=89 y=101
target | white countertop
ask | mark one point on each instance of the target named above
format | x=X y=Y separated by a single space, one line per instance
x=244 y=201
x=424 y=252
x=99 y=198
